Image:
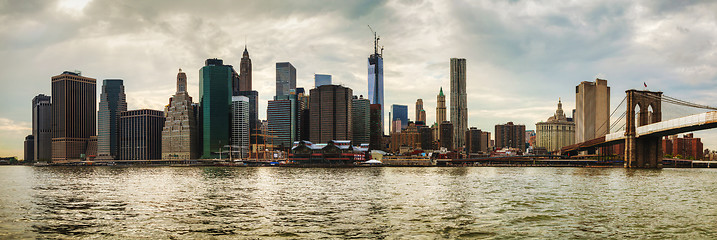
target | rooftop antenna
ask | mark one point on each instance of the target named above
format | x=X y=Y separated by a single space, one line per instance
x=375 y=41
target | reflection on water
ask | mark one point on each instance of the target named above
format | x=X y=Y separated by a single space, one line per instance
x=202 y=202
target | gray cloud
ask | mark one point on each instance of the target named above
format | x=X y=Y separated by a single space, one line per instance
x=522 y=55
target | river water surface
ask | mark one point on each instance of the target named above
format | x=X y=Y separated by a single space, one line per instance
x=429 y=203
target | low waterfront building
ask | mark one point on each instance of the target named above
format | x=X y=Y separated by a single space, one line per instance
x=686 y=147
x=334 y=152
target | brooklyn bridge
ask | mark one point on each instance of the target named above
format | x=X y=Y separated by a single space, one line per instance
x=641 y=124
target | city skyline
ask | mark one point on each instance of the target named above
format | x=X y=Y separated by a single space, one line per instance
x=666 y=46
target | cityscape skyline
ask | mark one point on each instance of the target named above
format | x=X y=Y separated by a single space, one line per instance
x=650 y=54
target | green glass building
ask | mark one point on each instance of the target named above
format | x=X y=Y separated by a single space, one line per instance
x=215 y=93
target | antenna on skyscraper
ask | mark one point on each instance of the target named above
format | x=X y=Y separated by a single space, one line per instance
x=375 y=41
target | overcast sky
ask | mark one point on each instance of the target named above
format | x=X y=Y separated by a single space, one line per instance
x=521 y=55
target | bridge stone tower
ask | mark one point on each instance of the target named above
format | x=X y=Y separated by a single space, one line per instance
x=645 y=151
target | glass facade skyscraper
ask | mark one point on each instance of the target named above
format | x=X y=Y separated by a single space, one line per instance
x=375 y=81
x=285 y=78
x=400 y=112
x=322 y=79
x=215 y=92
x=112 y=102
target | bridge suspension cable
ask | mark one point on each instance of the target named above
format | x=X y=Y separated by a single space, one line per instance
x=604 y=124
x=676 y=101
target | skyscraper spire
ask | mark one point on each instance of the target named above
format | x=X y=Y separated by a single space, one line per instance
x=181 y=82
x=245 y=72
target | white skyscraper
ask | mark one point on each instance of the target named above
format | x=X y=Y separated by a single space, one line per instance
x=240 y=126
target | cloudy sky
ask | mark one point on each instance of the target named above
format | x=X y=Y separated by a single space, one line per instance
x=521 y=55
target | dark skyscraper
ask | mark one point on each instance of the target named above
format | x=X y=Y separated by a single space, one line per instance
x=74 y=111
x=331 y=115
x=141 y=134
x=361 y=120
x=112 y=102
x=285 y=78
x=245 y=72
x=253 y=109
x=446 y=132
x=474 y=138
x=459 y=104
x=29 y=148
x=426 y=135
x=41 y=128
x=215 y=92
x=376 y=137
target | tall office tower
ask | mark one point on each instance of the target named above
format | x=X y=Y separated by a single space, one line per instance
x=29 y=154
x=331 y=115
x=400 y=112
x=361 y=120
x=376 y=132
x=240 y=126
x=285 y=78
x=180 y=135
x=446 y=133
x=283 y=118
x=74 y=111
x=592 y=110
x=419 y=108
x=426 y=134
x=510 y=136
x=215 y=91
x=322 y=79
x=459 y=105
x=41 y=128
x=141 y=134
x=440 y=107
x=112 y=102
x=375 y=78
x=245 y=72
x=474 y=141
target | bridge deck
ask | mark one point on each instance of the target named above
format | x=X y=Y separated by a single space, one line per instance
x=665 y=128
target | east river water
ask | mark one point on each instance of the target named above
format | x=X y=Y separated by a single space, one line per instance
x=310 y=203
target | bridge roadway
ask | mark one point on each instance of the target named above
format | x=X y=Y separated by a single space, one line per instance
x=690 y=123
